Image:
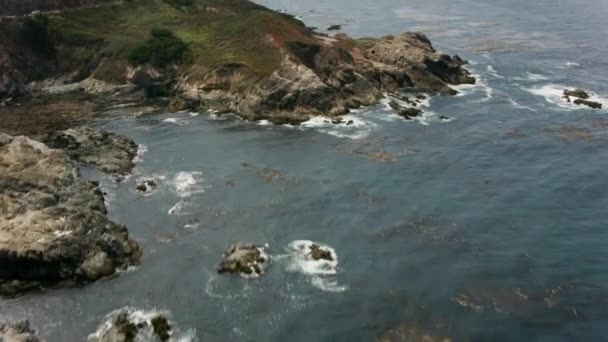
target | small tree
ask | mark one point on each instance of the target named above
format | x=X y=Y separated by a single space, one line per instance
x=161 y=49
x=36 y=34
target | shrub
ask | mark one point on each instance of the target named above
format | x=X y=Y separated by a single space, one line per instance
x=36 y=34
x=162 y=48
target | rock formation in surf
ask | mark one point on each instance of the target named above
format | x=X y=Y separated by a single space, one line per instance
x=53 y=225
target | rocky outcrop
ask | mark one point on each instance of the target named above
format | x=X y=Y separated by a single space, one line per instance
x=17 y=332
x=319 y=253
x=305 y=73
x=108 y=152
x=328 y=76
x=581 y=98
x=53 y=225
x=407 y=113
x=243 y=258
x=129 y=324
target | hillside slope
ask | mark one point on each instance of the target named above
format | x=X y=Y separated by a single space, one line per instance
x=241 y=57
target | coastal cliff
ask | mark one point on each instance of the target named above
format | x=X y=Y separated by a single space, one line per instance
x=226 y=56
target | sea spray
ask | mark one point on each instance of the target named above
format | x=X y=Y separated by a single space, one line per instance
x=320 y=271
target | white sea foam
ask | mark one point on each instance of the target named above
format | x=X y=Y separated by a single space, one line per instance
x=493 y=72
x=176 y=121
x=572 y=64
x=188 y=183
x=179 y=209
x=351 y=127
x=320 y=272
x=264 y=123
x=519 y=106
x=554 y=94
x=530 y=76
x=143 y=320
x=481 y=85
x=141 y=150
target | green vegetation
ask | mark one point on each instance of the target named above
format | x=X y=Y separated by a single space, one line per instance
x=161 y=49
x=37 y=36
x=217 y=32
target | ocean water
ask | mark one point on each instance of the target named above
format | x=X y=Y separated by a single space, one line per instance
x=489 y=226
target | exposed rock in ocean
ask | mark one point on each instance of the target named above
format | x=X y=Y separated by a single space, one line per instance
x=581 y=97
x=108 y=152
x=147 y=186
x=579 y=93
x=591 y=104
x=246 y=259
x=320 y=253
x=407 y=113
x=53 y=225
x=129 y=324
x=17 y=332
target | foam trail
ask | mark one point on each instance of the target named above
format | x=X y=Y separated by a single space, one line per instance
x=176 y=121
x=320 y=272
x=518 y=106
x=188 y=183
x=553 y=93
x=493 y=72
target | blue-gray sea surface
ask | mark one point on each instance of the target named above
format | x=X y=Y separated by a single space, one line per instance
x=490 y=226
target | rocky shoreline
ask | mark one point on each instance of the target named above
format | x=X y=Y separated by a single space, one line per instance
x=54 y=230
x=311 y=73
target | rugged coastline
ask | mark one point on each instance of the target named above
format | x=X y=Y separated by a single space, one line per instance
x=284 y=73
x=54 y=230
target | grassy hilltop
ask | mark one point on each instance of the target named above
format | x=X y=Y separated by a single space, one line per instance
x=216 y=32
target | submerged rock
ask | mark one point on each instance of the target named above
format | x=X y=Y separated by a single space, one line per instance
x=407 y=332
x=129 y=324
x=17 y=332
x=53 y=225
x=108 y=152
x=405 y=112
x=243 y=258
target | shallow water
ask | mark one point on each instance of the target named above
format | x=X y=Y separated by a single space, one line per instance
x=491 y=226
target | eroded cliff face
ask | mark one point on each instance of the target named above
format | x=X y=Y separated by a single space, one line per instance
x=328 y=77
x=53 y=224
x=284 y=73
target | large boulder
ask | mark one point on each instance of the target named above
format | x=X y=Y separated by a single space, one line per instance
x=53 y=225
x=246 y=259
x=17 y=332
x=110 y=153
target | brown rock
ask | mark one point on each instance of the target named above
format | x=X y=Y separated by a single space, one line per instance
x=53 y=225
